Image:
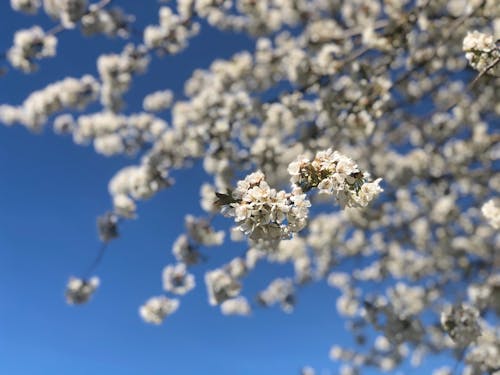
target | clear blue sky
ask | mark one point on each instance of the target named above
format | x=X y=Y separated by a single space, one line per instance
x=50 y=194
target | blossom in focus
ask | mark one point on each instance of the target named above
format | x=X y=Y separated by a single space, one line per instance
x=335 y=174
x=481 y=51
x=263 y=213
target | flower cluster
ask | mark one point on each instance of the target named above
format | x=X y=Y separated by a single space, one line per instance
x=26 y=6
x=158 y=101
x=31 y=44
x=491 y=211
x=200 y=231
x=177 y=280
x=221 y=286
x=111 y=22
x=264 y=213
x=67 y=11
x=135 y=183
x=79 y=291
x=115 y=134
x=171 y=35
x=70 y=93
x=116 y=71
x=481 y=51
x=184 y=251
x=461 y=323
x=487 y=294
x=156 y=309
x=279 y=291
x=334 y=174
x=236 y=306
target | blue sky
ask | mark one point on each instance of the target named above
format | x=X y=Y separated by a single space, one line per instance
x=50 y=194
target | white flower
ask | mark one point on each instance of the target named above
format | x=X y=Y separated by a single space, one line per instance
x=481 y=51
x=177 y=280
x=221 y=286
x=263 y=213
x=156 y=309
x=79 y=291
x=200 y=231
x=158 y=101
x=184 y=252
x=26 y=6
x=334 y=174
x=112 y=22
x=491 y=211
x=67 y=11
x=109 y=144
x=279 y=291
x=124 y=205
x=30 y=44
x=461 y=323
x=236 y=306
x=237 y=268
x=64 y=124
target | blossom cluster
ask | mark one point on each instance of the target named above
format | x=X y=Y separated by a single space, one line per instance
x=114 y=134
x=29 y=45
x=70 y=93
x=158 y=101
x=481 y=51
x=69 y=12
x=335 y=174
x=116 y=71
x=491 y=211
x=156 y=309
x=79 y=291
x=27 y=6
x=264 y=213
x=171 y=35
x=461 y=323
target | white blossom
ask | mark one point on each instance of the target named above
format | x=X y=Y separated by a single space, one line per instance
x=491 y=211
x=221 y=286
x=79 y=291
x=235 y=306
x=264 y=213
x=279 y=291
x=26 y=6
x=461 y=323
x=481 y=51
x=67 y=11
x=31 y=44
x=156 y=309
x=177 y=280
x=158 y=101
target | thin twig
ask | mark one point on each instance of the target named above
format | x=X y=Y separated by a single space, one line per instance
x=96 y=261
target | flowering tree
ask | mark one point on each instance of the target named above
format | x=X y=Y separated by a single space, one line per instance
x=291 y=132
